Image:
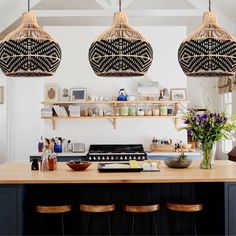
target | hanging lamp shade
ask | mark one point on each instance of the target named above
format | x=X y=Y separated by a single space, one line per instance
x=29 y=51
x=120 y=51
x=209 y=51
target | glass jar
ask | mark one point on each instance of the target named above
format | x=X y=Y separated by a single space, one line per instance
x=132 y=110
x=156 y=111
x=124 y=110
x=117 y=111
x=140 y=111
x=170 y=110
x=163 y=110
x=148 y=110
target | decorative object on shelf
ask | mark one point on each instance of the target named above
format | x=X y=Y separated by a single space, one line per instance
x=78 y=94
x=207 y=129
x=181 y=161
x=210 y=51
x=148 y=88
x=1 y=94
x=29 y=51
x=178 y=94
x=51 y=92
x=122 y=95
x=65 y=94
x=120 y=51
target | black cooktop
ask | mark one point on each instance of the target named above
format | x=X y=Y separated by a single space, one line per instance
x=116 y=152
x=116 y=148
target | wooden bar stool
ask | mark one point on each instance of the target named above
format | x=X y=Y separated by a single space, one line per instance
x=136 y=209
x=186 y=208
x=54 y=210
x=97 y=209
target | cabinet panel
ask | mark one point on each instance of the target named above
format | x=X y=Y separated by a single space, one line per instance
x=230 y=209
x=9 y=210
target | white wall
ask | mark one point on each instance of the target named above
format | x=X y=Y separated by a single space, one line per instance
x=75 y=71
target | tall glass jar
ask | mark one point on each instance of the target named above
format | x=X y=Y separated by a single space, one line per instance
x=148 y=110
x=132 y=110
x=124 y=110
x=163 y=110
x=156 y=111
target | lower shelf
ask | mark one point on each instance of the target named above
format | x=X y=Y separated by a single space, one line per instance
x=112 y=118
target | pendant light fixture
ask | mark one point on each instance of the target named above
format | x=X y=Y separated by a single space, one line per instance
x=29 y=51
x=120 y=51
x=209 y=51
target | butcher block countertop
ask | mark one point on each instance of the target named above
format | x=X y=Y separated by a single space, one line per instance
x=20 y=173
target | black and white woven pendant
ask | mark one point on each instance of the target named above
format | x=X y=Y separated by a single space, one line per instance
x=209 y=51
x=29 y=51
x=120 y=51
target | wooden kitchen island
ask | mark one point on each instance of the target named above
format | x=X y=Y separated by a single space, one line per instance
x=22 y=189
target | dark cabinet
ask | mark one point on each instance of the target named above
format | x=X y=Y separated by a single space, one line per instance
x=230 y=208
x=9 y=210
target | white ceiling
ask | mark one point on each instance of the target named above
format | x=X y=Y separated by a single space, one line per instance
x=99 y=12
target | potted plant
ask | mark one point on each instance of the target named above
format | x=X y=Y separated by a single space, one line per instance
x=209 y=128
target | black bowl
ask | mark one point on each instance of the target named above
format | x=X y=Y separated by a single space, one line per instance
x=173 y=162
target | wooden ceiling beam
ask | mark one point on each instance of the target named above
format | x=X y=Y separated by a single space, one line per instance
x=137 y=13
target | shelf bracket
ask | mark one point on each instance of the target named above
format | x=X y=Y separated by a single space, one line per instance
x=53 y=124
x=114 y=123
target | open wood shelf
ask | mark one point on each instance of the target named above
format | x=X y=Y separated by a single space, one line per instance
x=113 y=118
x=113 y=103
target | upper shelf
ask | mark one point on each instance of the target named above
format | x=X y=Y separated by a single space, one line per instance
x=113 y=102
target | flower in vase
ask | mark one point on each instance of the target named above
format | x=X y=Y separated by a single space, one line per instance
x=209 y=128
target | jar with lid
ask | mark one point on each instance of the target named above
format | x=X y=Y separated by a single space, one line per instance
x=124 y=110
x=156 y=111
x=170 y=110
x=117 y=111
x=148 y=110
x=132 y=110
x=140 y=111
x=163 y=110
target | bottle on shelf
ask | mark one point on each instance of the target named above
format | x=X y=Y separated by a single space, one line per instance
x=161 y=95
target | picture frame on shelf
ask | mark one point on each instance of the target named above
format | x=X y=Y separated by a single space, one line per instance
x=78 y=94
x=178 y=94
x=1 y=94
x=51 y=92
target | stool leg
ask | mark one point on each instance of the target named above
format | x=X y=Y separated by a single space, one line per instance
x=109 y=223
x=195 y=224
x=62 y=225
x=87 y=225
x=154 y=223
x=40 y=225
x=132 y=227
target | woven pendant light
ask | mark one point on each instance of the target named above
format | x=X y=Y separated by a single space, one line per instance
x=120 y=51
x=29 y=51
x=209 y=51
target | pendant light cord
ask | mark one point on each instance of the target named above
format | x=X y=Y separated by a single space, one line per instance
x=28 y=5
x=119 y=5
x=209 y=5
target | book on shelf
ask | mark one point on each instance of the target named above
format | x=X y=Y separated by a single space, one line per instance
x=60 y=111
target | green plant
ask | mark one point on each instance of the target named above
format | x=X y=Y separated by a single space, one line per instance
x=182 y=157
